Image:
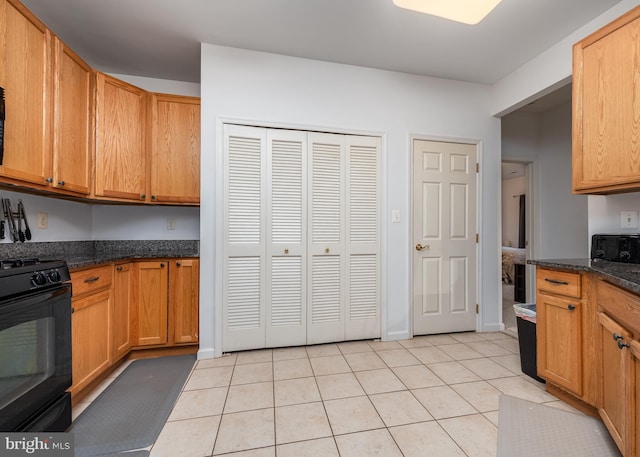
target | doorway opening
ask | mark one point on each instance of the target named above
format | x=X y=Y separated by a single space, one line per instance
x=515 y=225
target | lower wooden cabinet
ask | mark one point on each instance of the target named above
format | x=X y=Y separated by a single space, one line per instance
x=184 y=292
x=167 y=294
x=123 y=315
x=150 y=292
x=560 y=348
x=91 y=325
x=615 y=407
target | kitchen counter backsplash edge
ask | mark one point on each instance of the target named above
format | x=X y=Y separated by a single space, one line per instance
x=625 y=275
x=79 y=254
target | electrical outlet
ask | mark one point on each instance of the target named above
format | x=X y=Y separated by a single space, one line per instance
x=395 y=216
x=629 y=219
x=43 y=220
x=171 y=223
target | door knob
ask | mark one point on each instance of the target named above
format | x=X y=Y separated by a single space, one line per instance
x=420 y=247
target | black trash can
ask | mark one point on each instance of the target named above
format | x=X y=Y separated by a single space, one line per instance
x=526 y=320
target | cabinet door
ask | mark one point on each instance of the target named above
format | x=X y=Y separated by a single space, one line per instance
x=184 y=299
x=175 y=149
x=122 y=310
x=91 y=342
x=121 y=159
x=72 y=124
x=605 y=115
x=151 y=288
x=615 y=394
x=635 y=386
x=25 y=75
x=559 y=341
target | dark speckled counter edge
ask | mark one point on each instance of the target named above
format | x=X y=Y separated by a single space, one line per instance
x=625 y=275
x=81 y=254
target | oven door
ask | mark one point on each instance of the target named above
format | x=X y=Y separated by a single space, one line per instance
x=35 y=354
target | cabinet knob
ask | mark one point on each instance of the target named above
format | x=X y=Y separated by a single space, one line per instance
x=326 y=251
x=571 y=307
x=617 y=337
x=286 y=251
x=49 y=180
x=153 y=197
x=61 y=183
x=622 y=345
x=162 y=265
x=119 y=268
x=143 y=196
x=178 y=264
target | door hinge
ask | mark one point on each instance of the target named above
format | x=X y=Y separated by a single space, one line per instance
x=477 y=238
x=477 y=309
x=477 y=167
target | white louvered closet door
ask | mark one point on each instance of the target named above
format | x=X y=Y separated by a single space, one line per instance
x=362 y=237
x=327 y=281
x=244 y=312
x=287 y=236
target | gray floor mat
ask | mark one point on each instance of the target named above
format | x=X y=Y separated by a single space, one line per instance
x=527 y=429
x=131 y=412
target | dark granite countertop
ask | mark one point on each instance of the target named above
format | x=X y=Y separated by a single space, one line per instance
x=625 y=275
x=81 y=254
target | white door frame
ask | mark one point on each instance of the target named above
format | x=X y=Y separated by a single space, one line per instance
x=478 y=271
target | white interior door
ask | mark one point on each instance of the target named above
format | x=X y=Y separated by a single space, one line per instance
x=444 y=233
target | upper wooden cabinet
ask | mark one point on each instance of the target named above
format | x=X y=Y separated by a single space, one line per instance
x=120 y=159
x=606 y=112
x=25 y=75
x=72 y=121
x=175 y=149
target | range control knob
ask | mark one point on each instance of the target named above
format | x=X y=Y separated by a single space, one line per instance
x=624 y=255
x=39 y=279
x=54 y=276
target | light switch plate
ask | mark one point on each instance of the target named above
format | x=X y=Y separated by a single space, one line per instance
x=171 y=223
x=43 y=220
x=629 y=219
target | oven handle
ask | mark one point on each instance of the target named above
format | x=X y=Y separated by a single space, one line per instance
x=90 y=280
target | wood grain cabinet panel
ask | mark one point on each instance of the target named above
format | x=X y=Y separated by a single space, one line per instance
x=123 y=316
x=151 y=283
x=73 y=121
x=120 y=157
x=175 y=149
x=606 y=113
x=184 y=292
x=25 y=74
x=91 y=324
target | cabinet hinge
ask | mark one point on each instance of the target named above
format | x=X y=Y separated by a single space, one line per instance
x=477 y=308
x=477 y=238
x=477 y=167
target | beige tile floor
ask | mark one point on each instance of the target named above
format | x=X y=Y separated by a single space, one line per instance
x=429 y=396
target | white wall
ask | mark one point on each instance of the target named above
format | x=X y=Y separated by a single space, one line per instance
x=277 y=90
x=604 y=212
x=549 y=70
x=512 y=188
x=560 y=219
x=74 y=221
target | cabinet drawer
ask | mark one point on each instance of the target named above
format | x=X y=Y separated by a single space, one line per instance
x=619 y=303
x=559 y=282
x=92 y=280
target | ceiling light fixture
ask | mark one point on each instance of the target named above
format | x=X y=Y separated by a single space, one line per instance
x=465 y=11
